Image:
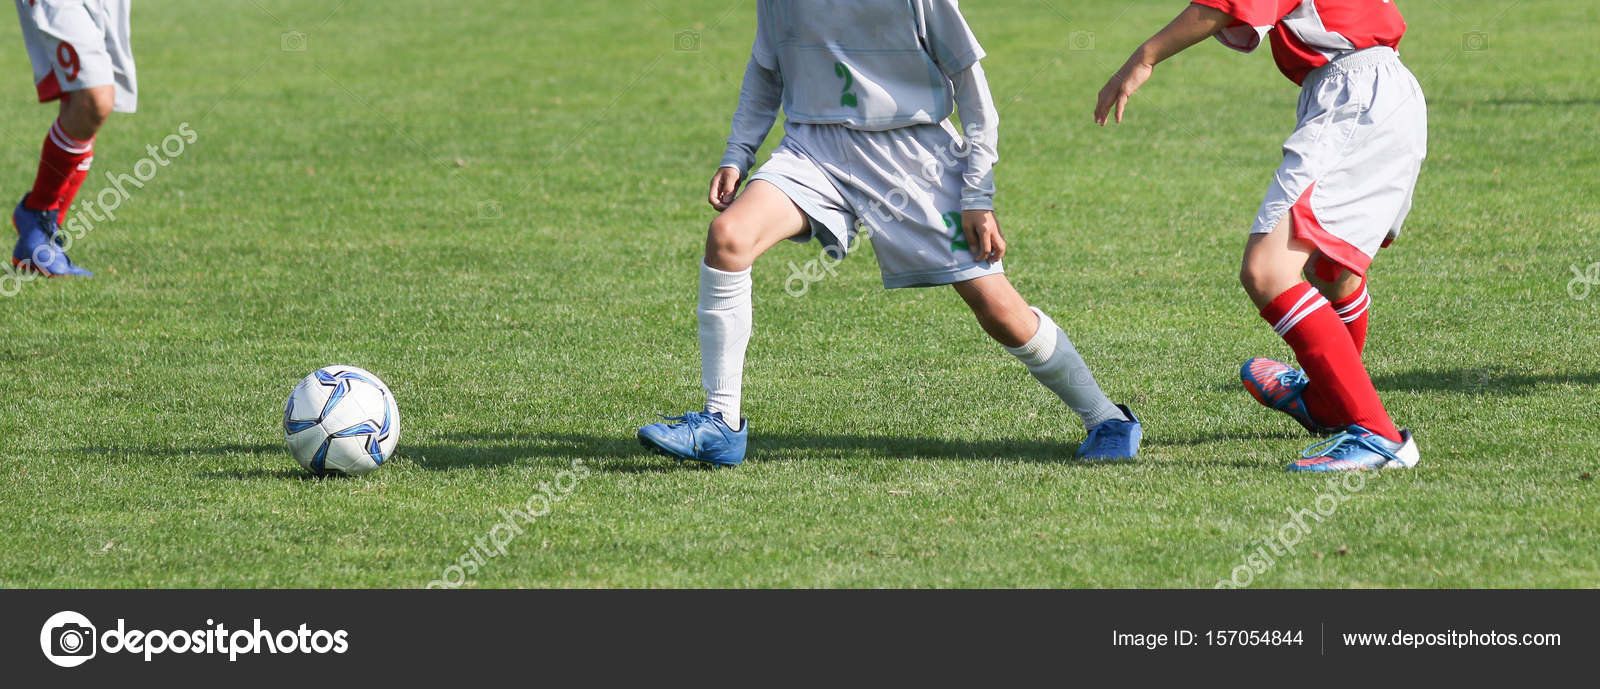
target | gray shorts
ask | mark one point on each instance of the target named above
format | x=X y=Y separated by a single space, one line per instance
x=903 y=185
x=1351 y=164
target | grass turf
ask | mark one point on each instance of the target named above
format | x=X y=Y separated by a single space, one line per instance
x=498 y=208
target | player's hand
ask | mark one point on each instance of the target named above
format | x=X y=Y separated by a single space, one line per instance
x=983 y=235
x=1121 y=86
x=723 y=185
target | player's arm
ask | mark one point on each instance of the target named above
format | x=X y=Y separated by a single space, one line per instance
x=759 y=99
x=980 y=124
x=1195 y=24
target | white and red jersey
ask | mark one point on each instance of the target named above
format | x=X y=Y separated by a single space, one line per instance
x=1306 y=34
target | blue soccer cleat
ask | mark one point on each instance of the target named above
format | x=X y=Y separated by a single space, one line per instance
x=1358 y=449
x=39 y=243
x=1114 y=439
x=1278 y=386
x=697 y=436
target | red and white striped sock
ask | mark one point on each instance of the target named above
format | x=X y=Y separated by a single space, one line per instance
x=63 y=165
x=1341 y=392
x=1353 y=311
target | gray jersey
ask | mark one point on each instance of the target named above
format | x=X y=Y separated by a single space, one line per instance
x=866 y=64
x=940 y=60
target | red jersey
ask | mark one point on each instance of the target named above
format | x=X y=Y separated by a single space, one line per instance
x=1306 y=34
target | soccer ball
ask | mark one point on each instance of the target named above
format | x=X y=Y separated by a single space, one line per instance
x=341 y=420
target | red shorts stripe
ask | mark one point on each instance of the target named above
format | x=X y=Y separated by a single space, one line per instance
x=49 y=89
x=1334 y=250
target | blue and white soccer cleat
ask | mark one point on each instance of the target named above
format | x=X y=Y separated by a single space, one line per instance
x=1358 y=449
x=1114 y=439
x=39 y=243
x=697 y=436
x=1278 y=386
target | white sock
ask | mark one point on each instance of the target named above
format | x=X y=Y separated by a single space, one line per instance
x=1051 y=359
x=725 y=322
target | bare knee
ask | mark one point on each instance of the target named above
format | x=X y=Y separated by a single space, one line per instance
x=1273 y=262
x=84 y=112
x=1264 y=280
x=729 y=245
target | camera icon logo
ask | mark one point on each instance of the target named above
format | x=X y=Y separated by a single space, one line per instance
x=489 y=210
x=686 y=41
x=1080 y=41
x=68 y=639
x=292 y=42
x=1474 y=41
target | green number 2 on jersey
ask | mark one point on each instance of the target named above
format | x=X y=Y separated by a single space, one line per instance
x=958 y=239
x=846 y=98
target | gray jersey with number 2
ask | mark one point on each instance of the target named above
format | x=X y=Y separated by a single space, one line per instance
x=869 y=65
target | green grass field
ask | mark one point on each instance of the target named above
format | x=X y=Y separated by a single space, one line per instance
x=498 y=207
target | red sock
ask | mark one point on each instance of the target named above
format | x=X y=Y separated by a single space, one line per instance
x=1353 y=311
x=63 y=165
x=1340 y=392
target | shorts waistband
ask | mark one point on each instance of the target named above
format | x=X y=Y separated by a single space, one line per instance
x=1345 y=63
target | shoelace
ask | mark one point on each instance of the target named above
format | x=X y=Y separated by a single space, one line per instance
x=693 y=419
x=1098 y=441
x=1289 y=378
x=1338 y=445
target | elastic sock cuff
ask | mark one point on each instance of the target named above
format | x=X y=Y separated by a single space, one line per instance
x=721 y=288
x=1041 y=346
x=65 y=142
x=1108 y=413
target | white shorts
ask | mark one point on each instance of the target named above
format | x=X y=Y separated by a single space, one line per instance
x=80 y=44
x=903 y=184
x=1350 y=167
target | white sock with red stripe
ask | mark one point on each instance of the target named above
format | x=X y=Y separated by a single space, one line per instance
x=1051 y=358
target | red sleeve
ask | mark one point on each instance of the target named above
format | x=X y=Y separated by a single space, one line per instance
x=1252 y=19
x=1251 y=12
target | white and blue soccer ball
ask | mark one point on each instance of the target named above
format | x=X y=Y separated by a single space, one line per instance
x=341 y=420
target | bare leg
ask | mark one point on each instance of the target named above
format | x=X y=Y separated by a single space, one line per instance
x=1001 y=311
x=760 y=218
x=84 y=112
x=757 y=220
x=1273 y=263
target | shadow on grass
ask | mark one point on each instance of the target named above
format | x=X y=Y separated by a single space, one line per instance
x=166 y=452
x=284 y=474
x=622 y=454
x=1484 y=381
x=1481 y=381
